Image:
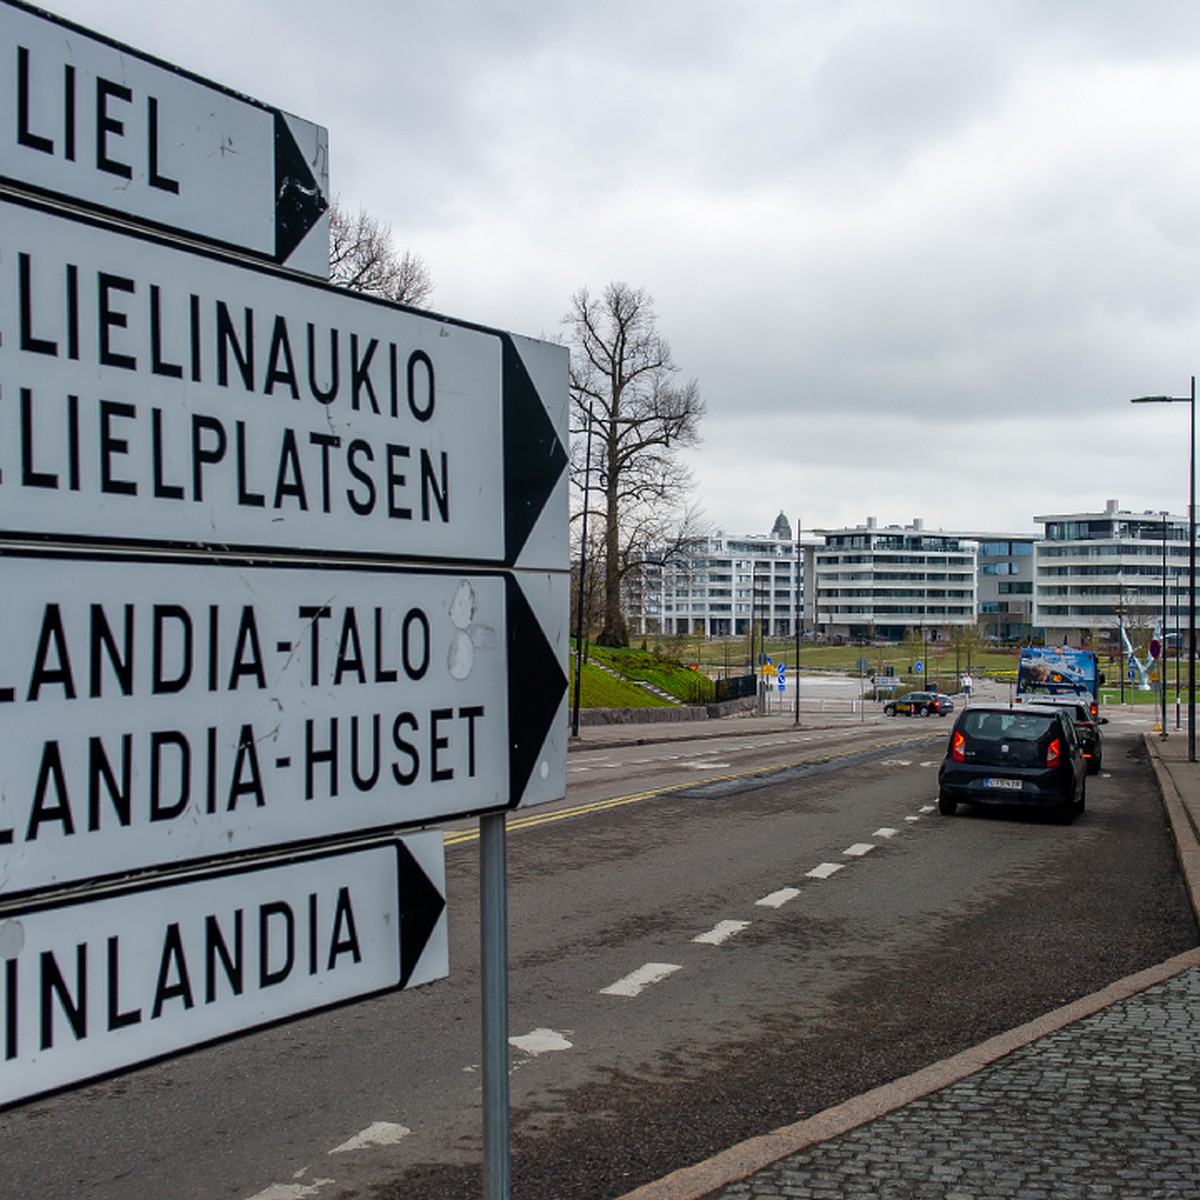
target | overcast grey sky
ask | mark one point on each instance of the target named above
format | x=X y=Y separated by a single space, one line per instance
x=918 y=254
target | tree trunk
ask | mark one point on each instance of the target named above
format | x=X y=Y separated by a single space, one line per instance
x=615 y=632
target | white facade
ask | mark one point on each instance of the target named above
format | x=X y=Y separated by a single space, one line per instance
x=1086 y=576
x=1097 y=571
x=723 y=587
x=884 y=582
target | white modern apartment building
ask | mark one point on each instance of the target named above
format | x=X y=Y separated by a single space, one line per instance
x=724 y=586
x=1084 y=577
x=874 y=581
x=1096 y=571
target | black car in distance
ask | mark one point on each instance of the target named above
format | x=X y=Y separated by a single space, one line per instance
x=1026 y=755
x=919 y=704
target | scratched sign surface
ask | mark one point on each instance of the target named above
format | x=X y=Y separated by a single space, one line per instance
x=157 y=713
x=157 y=394
x=103 y=125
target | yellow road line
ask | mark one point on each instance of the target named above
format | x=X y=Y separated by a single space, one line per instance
x=534 y=819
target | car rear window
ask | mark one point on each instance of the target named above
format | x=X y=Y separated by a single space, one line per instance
x=1006 y=726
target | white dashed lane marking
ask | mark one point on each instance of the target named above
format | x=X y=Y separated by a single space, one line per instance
x=721 y=932
x=292 y=1191
x=858 y=849
x=780 y=898
x=540 y=1041
x=638 y=981
x=380 y=1133
x=824 y=870
x=885 y=832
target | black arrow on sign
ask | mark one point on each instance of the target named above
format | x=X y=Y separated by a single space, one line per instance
x=299 y=201
x=536 y=686
x=534 y=458
x=421 y=906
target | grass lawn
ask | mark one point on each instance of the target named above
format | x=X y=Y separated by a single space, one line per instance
x=682 y=667
x=600 y=690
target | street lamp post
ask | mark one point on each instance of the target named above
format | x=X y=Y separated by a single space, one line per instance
x=587 y=478
x=1178 y=716
x=799 y=603
x=1162 y=641
x=1121 y=635
x=1191 y=401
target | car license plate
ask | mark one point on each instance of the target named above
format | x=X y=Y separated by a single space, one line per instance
x=1011 y=784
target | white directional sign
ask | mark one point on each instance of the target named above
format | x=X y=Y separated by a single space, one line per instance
x=102 y=125
x=94 y=986
x=158 y=713
x=159 y=395
x=284 y=570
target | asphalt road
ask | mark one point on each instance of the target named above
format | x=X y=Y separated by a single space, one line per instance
x=687 y=969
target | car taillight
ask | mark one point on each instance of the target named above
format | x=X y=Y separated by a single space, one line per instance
x=1094 y=709
x=957 y=752
x=1054 y=753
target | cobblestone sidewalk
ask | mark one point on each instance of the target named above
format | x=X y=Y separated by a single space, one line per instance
x=1108 y=1107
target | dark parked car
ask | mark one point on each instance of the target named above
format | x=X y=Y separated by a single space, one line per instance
x=919 y=704
x=1014 y=755
x=1087 y=724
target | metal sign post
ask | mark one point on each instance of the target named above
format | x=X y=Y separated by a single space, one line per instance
x=493 y=931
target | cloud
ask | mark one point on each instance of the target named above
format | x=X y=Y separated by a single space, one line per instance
x=901 y=245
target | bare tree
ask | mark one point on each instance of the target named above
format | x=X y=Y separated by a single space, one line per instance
x=623 y=375
x=363 y=259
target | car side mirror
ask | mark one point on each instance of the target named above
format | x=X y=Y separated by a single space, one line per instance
x=1101 y=720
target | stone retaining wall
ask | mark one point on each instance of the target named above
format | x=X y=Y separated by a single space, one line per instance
x=652 y=716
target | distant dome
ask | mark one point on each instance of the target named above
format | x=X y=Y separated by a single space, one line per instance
x=782 y=528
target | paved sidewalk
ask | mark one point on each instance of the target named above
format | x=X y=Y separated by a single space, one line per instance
x=1100 y=1098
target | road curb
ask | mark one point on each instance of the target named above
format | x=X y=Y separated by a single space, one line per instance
x=1183 y=818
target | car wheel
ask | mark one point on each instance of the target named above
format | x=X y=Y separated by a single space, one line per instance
x=1065 y=813
x=1081 y=803
x=889 y=710
x=1094 y=765
x=946 y=806
x=925 y=711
